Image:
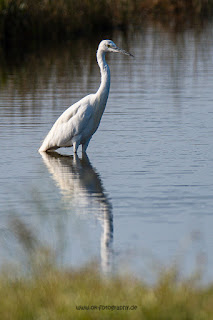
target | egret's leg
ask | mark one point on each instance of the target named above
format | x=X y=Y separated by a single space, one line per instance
x=85 y=145
x=75 y=146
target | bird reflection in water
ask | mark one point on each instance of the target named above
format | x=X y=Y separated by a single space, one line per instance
x=83 y=192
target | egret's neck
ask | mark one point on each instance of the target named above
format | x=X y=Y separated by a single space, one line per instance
x=103 y=90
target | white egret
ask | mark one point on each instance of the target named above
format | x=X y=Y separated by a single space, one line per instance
x=79 y=122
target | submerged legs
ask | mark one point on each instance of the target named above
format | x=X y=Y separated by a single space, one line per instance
x=85 y=145
x=75 y=146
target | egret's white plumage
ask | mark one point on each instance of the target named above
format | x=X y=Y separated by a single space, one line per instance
x=79 y=122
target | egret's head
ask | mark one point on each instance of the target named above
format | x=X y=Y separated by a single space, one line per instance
x=110 y=46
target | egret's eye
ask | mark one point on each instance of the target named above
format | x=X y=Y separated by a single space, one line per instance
x=108 y=46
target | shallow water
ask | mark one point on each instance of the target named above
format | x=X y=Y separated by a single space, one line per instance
x=144 y=195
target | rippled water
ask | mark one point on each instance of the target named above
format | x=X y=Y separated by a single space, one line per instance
x=144 y=195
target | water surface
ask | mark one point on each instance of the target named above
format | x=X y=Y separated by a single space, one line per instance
x=144 y=195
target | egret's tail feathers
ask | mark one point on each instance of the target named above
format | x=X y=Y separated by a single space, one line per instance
x=41 y=149
x=44 y=147
x=47 y=147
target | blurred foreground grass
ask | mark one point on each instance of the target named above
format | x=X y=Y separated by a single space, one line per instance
x=50 y=293
x=28 y=20
x=37 y=288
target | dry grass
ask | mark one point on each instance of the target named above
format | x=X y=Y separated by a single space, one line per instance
x=43 y=291
x=49 y=293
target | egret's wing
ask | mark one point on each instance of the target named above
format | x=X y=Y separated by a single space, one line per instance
x=71 y=123
x=70 y=112
x=76 y=124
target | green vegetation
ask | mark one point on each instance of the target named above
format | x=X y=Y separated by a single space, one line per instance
x=50 y=294
x=38 y=289
x=28 y=20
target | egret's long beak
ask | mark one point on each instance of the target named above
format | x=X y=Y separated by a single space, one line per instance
x=123 y=52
